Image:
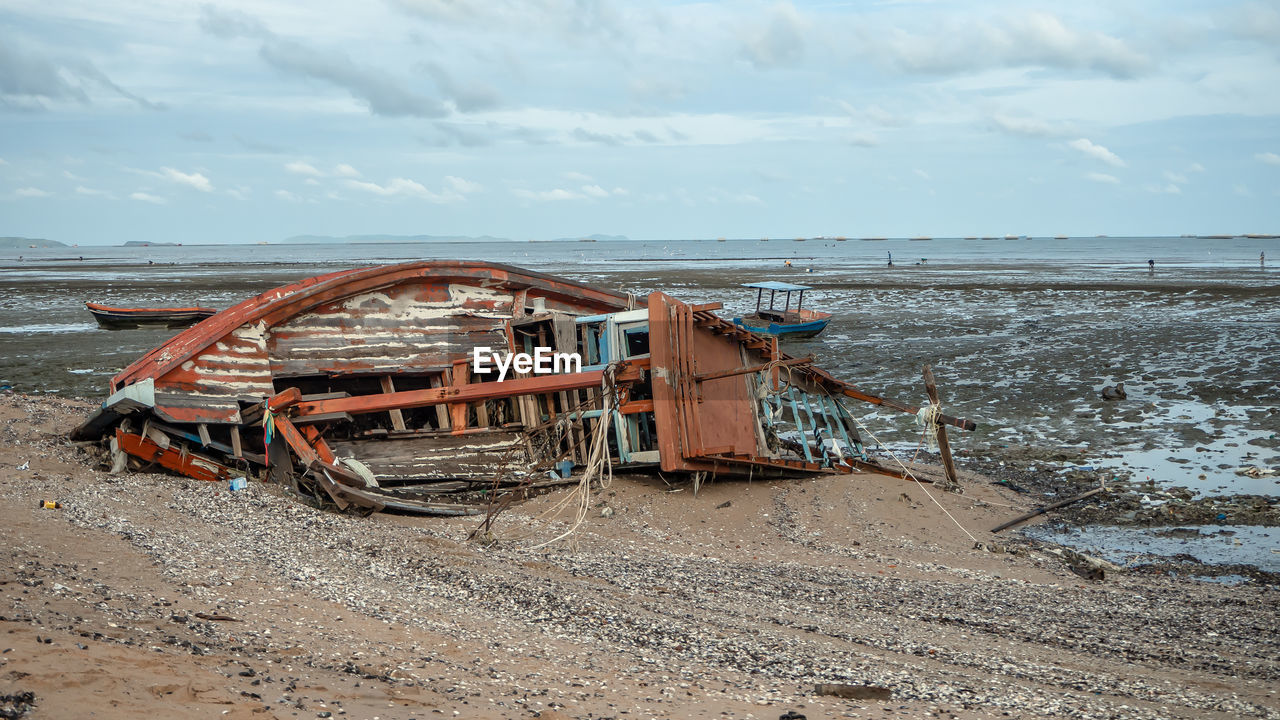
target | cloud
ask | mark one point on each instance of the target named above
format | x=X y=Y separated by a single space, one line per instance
x=1195 y=167
x=574 y=175
x=28 y=80
x=404 y=187
x=779 y=42
x=1029 y=127
x=31 y=192
x=462 y=185
x=645 y=136
x=1269 y=158
x=595 y=191
x=1175 y=178
x=197 y=136
x=1103 y=178
x=298 y=167
x=471 y=96
x=1038 y=39
x=286 y=195
x=921 y=173
x=380 y=93
x=874 y=114
x=93 y=192
x=230 y=24
x=594 y=137
x=148 y=197
x=548 y=195
x=3 y=162
x=345 y=170
x=457 y=134
x=259 y=147
x=194 y=180
x=1096 y=152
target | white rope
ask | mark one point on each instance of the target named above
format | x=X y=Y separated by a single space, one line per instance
x=599 y=464
x=927 y=418
x=911 y=475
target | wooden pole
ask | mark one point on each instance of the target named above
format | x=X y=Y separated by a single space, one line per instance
x=944 y=446
x=1042 y=510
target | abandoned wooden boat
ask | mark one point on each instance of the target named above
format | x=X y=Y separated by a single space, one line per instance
x=117 y=318
x=787 y=323
x=388 y=388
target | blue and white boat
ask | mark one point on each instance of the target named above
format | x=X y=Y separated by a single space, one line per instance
x=784 y=323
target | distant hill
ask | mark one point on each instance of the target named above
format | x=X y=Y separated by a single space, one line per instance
x=21 y=242
x=595 y=238
x=363 y=239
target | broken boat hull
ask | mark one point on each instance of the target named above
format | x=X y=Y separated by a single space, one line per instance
x=358 y=389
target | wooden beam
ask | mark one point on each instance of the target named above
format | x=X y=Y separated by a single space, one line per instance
x=397 y=417
x=461 y=394
x=703 y=377
x=944 y=447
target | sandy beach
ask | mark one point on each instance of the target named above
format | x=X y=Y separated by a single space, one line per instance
x=153 y=594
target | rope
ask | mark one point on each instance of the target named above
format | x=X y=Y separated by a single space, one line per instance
x=911 y=475
x=599 y=465
x=927 y=418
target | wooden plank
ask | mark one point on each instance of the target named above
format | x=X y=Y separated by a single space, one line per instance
x=442 y=412
x=236 y=450
x=1045 y=509
x=203 y=431
x=458 y=410
x=324 y=417
x=397 y=417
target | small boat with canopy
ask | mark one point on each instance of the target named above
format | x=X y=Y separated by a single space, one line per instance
x=784 y=323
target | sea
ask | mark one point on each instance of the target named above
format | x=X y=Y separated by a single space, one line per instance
x=1022 y=333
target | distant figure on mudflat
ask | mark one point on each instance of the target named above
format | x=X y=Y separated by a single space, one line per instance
x=890 y=258
x=1114 y=392
x=1262 y=259
x=1151 y=266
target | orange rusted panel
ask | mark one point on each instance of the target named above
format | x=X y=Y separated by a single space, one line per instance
x=186 y=463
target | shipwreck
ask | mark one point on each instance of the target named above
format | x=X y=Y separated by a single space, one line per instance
x=363 y=389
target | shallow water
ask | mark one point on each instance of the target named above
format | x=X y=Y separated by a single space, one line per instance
x=1022 y=334
x=1209 y=544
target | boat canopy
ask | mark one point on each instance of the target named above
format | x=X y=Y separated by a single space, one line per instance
x=777 y=286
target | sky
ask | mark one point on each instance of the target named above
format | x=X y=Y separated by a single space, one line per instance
x=253 y=120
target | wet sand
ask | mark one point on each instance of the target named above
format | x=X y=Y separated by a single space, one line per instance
x=155 y=595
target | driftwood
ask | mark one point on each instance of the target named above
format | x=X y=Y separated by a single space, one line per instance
x=854 y=692
x=1042 y=510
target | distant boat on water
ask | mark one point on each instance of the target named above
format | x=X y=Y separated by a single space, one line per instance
x=920 y=239
x=874 y=239
x=118 y=318
x=784 y=323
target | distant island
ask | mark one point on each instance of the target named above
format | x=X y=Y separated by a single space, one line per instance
x=402 y=239
x=594 y=238
x=390 y=239
x=13 y=243
x=144 y=243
